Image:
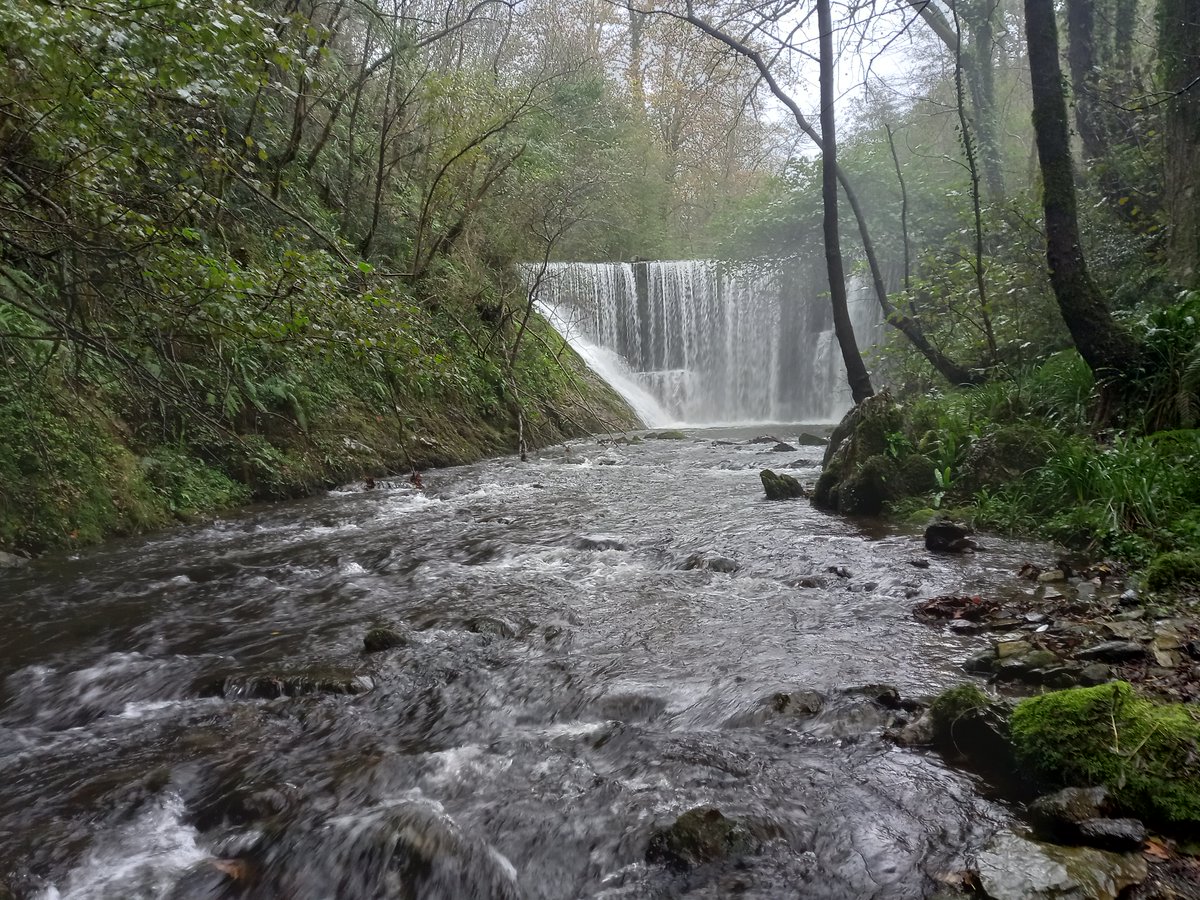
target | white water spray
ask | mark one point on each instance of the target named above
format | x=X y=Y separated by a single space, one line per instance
x=692 y=342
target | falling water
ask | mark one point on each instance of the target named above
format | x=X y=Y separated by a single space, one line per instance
x=696 y=342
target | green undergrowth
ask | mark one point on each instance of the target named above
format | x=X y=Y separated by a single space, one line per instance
x=1147 y=754
x=1022 y=456
x=81 y=461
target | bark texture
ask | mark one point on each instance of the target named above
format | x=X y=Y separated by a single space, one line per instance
x=1108 y=350
x=1179 y=52
x=856 y=369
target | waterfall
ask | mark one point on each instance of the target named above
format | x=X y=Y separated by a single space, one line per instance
x=696 y=342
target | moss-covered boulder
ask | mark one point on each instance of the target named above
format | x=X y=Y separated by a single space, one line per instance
x=779 y=486
x=861 y=471
x=701 y=835
x=1146 y=754
x=1174 y=570
x=1006 y=454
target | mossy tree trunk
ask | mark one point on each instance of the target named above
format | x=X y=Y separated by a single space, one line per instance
x=1108 y=349
x=856 y=369
x=1179 y=52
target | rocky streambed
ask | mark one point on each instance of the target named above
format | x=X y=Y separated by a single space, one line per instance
x=615 y=671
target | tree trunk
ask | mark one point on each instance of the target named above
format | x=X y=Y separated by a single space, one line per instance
x=1109 y=351
x=856 y=370
x=1179 y=51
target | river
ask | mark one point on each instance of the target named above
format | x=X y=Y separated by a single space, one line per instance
x=191 y=714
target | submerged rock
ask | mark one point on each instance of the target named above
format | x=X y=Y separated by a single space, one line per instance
x=491 y=626
x=669 y=435
x=1013 y=868
x=796 y=704
x=699 y=836
x=713 y=563
x=779 y=486
x=273 y=685
x=379 y=639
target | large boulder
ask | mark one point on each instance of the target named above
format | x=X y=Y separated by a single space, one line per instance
x=860 y=472
x=1143 y=752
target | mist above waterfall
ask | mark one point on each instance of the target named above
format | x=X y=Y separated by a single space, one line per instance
x=697 y=342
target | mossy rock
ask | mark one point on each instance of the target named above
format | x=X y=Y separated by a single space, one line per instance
x=672 y=435
x=1172 y=570
x=1147 y=754
x=779 y=486
x=915 y=475
x=858 y=476
x=701 y=835
x=1006 y=454
x=866 y=489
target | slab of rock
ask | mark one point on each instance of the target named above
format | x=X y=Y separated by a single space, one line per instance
x=1013 y=868
x=1113 y=651
x=1119 y=835
x=779 y=486
x=1065 y=809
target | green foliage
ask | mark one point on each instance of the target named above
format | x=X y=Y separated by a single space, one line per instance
x=1176 y=569
x=1147 y=754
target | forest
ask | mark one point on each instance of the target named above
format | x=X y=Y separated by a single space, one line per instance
x=504 y=639
x=251 y=248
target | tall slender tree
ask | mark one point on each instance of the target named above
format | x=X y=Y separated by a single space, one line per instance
x=1106 y=347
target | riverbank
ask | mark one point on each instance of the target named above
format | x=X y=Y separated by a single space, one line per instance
x=82 y=461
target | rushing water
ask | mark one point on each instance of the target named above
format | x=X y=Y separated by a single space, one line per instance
x=705 y=343
x=191 y=715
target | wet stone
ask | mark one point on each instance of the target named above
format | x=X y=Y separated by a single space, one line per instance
x=944 y=536
x=1119 y=835
x=699 y=836
x=781 y=447
x=1095 y=673
x=1113 y=651
x=379 y=639
x=1012 y=868
x=779 y=486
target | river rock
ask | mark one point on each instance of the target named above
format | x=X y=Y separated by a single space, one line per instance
x=379 y=639
x=699 y=836
x=272 y=686
x=491 y=625
x=1052 y=576
x=804 y=439
x=1013 y=868
x=1095 y=673
x=712 y=563
x=779 y=486
x=1057 y=816
x=1118 y=835
x=782 y=447
x=945 y=536
x=11 y=560
x=1113 y=652
x=669 y=435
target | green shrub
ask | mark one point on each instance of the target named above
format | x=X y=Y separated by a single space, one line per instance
x=1147 y=754
x=1170 y=570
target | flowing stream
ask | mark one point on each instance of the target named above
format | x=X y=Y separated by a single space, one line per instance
x=191 y=715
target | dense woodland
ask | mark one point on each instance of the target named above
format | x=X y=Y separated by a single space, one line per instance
x=250 y=247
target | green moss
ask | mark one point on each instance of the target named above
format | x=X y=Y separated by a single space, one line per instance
x=866 y=488
x=954 y=704
x=1147 y=754
x=1171 y=570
